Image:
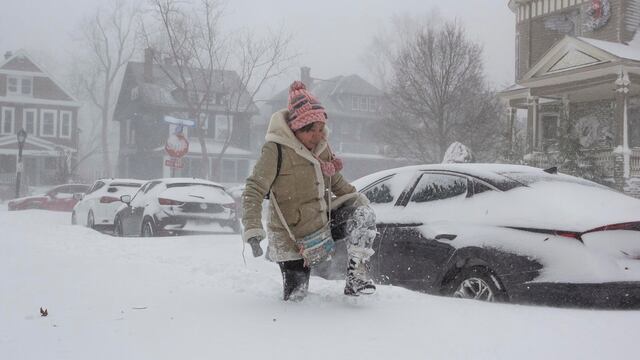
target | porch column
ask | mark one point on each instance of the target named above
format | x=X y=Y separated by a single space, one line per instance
x=512 y=113
x=532 y=124
x=621 y=131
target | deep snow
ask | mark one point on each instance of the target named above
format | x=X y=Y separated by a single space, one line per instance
x=194 y=298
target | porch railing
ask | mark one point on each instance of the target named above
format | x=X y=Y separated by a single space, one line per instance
x=634 y=163
x=604 y=160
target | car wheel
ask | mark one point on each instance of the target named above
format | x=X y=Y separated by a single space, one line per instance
x=91 y=221
x=74 y=221
x=117 y=227
x=148 y=230
x=477 y=283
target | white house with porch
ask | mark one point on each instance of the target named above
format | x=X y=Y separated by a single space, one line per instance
x=581 y=79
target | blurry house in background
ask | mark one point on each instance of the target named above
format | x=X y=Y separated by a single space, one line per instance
x=148 y=95
x=32 y=99
x=354 y=110
x=578 y=75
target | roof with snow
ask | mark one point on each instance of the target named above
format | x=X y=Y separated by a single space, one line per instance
x=617 y=49
x=330 y=93
x=162 y=91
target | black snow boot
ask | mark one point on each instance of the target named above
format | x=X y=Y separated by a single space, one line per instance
x=295 y=279
x=358 y=281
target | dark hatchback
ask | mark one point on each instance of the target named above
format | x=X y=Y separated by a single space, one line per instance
x=175 y=206
x=502 y=233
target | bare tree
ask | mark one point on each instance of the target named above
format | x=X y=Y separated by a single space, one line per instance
x=210 y=69
x=437 y=94
x=108 y=39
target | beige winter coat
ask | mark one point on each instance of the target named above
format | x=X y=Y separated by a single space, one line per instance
x=300 y=191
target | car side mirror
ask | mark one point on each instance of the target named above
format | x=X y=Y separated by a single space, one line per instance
x=51 y=194
x=78 y=196
x=125 y=199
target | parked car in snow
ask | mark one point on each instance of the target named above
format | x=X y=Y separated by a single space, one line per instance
x=503 y=233
x=59 y=198
x=175 y=206
x=99 y=205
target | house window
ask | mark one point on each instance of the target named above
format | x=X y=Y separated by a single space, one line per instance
x=27 y=88
x=65 y=124
x=12 y=85
x=29 y=121
x=204 y=123
x=223 y=127
x=354 y=102
x=363 y=106
x=228 y=171
x=8 y=120
x=17 y=85
x=48 y=119
x=373 y=104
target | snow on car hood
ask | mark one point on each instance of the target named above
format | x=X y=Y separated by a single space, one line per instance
x=197 y=193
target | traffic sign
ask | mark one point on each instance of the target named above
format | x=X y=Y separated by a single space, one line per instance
x=177 y=145
x=175 y=163
x=177 y=121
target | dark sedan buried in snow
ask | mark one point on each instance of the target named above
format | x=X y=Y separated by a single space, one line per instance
x=174 y=206
x=503 y=233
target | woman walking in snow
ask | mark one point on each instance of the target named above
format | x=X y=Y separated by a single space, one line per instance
x=300 y=174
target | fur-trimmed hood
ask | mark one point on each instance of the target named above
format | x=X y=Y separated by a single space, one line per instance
x=279 y=132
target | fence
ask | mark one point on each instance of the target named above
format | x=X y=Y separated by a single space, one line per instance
x=8 y=185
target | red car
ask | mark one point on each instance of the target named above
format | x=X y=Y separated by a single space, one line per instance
x=60 y=198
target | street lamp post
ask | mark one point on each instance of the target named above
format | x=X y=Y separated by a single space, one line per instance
x=22 y=137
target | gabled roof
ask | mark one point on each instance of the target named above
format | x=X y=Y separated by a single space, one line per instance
x=573 y=53
x=329 y=92
x=33 y=146
x=22 y=62
x=162 y=91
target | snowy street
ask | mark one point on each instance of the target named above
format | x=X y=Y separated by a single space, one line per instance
x=193 y=298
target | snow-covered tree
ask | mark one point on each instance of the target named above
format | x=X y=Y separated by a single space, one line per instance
x=107 y=42
x=189 y=33
x=437 y=93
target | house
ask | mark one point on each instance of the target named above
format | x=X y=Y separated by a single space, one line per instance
x=578 y=72
x=353 y=109
x=148 y=97
x=33 y=100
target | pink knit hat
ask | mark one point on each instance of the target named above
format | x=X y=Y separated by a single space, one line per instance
x=304 y=108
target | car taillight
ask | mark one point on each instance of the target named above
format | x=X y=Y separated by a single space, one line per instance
x=108 y=199
x=633 y=226
x=164 y=201
x=568 y=234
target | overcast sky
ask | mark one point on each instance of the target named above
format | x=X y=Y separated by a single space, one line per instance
x=330 y=35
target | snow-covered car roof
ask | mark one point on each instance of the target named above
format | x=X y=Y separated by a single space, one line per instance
x=495 y=174
x=178 y=180
x=123 y=180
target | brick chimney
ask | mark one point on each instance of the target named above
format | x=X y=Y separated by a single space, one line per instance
x=305 y=75
x=7 y=55
x=148 y=65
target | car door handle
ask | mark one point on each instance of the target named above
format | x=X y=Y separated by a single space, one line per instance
x=446 y=237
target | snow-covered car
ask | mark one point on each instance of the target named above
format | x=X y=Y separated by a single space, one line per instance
x=176 y=206
x=99 y=205
x=503 y=233
x=59 y=198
